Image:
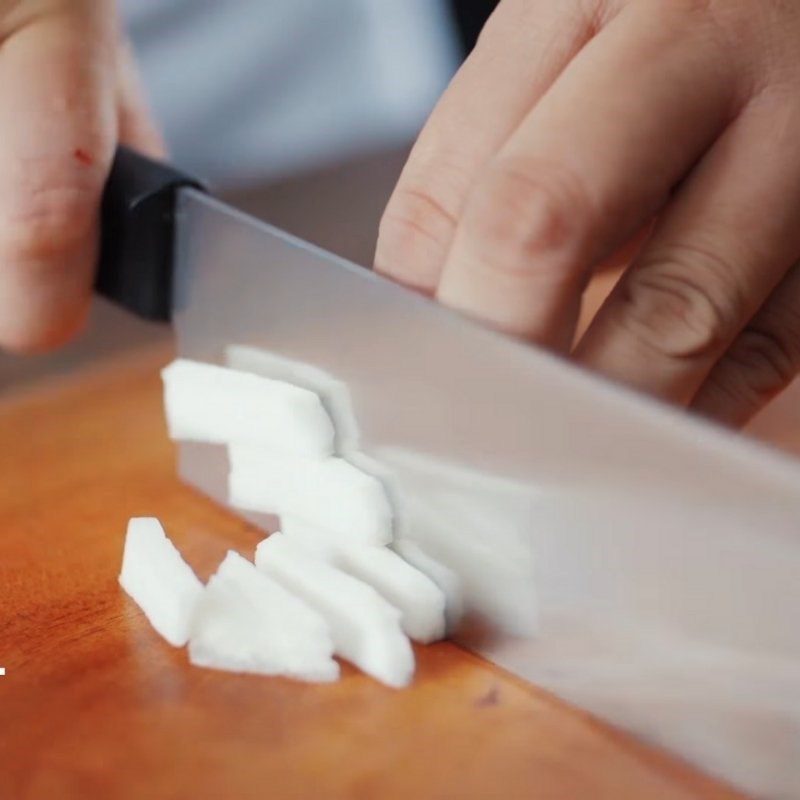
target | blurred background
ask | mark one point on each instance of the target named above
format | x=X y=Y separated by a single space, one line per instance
x=298 y=111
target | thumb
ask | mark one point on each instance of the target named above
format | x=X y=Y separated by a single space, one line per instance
x=59 y=127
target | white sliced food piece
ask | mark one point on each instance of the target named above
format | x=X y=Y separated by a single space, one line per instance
x=420 y=601
x=333 y=393
x=441 y=575
x=328 y=492
x=388 y=480
x=247 y=622
x=365 y=627
x=429 y=596
x=322 y=542
x=159 y=581
x=209 y=403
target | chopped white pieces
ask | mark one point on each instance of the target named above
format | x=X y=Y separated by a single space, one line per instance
x=365 y=628
x=441 y=575
x=330 y=493
x=420 y=601
x=247 y=622
x=333 y=393
x=161 y=583
x=328 y=583
x=324 y=544
x=209 y=403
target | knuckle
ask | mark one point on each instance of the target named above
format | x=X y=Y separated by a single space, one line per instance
x=767 y=361
x=417 y=212
x=520 y=212
x=680 y=306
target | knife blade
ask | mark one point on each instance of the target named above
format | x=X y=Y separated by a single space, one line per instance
x=637 y=562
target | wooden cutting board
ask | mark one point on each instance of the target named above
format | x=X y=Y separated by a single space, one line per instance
x=95 y=705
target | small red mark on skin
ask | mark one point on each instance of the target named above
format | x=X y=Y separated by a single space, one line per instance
x=491 y=698
x=82 y=157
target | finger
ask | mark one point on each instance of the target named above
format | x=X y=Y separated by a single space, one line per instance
x=761 y=363
x=521 y=51
x=593 y=161
x=625 y=254
x=136 y=125
x=597 y=292
x=717 y=254
x=604 y=278
x=58 y=128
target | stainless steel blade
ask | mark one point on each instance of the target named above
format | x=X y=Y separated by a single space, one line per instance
x=637 y=562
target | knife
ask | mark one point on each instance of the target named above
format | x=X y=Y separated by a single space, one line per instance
x=638 y=562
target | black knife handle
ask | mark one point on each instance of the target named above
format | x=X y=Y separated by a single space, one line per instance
x=137 y=234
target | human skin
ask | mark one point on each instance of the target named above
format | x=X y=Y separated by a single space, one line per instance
x=663 y=131
x=68 y=95
x=578 y=131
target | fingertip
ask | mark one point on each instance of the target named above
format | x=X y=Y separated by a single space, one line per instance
x=39 y=333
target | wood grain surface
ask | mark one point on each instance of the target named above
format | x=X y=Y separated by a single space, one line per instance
x=95 y=705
